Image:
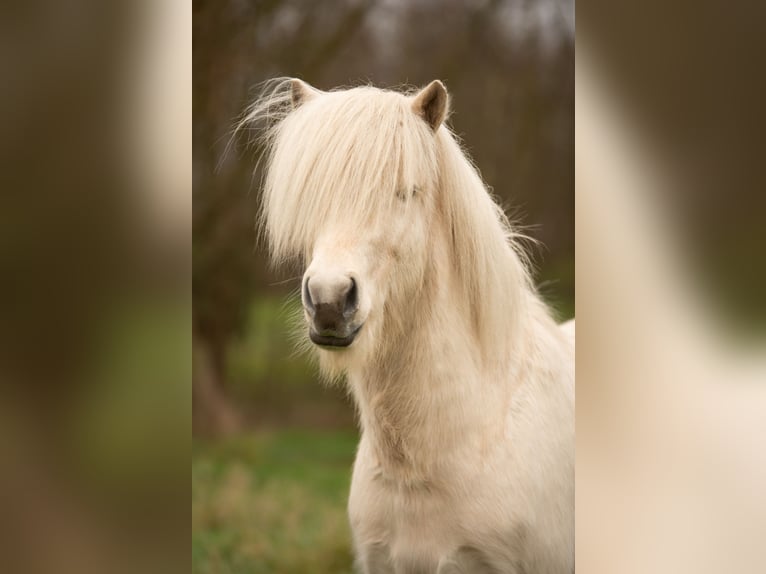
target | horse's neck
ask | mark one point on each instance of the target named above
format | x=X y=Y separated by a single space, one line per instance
x=431 y=399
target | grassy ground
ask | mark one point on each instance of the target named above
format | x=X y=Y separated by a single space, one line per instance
x=272 y=502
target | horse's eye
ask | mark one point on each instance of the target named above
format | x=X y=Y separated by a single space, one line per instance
x=403 y=194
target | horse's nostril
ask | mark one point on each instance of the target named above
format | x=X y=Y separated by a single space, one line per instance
x=307 y=296
x=351 y=299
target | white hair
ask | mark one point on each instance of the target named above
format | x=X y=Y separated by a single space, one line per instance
x=366 y=144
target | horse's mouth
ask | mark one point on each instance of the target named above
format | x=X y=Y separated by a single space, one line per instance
x=332 y=341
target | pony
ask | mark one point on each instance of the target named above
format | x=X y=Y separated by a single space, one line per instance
x=416 y=291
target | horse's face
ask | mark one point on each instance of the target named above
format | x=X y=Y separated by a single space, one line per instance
x=358 y=274
x=364 y=270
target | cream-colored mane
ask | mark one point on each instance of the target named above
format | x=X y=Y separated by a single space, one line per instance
x=463 y=382
x=342 y=159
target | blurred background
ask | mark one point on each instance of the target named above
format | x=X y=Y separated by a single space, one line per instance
x=95 y=305
x=273 y=447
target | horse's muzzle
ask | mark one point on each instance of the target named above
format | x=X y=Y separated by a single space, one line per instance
x=331 y=303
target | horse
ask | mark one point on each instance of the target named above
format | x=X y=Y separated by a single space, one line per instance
x=417 y=292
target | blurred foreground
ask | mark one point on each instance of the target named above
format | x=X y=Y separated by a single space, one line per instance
x=671 y=368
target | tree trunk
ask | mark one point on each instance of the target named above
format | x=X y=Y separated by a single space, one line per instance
x=213 y=415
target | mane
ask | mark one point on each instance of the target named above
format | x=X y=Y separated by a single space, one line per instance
x=368 y=142
x=491 y=265
x=363 y=140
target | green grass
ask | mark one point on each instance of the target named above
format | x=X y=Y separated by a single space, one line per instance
x=272 y=502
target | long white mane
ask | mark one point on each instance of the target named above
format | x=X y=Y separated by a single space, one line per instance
x=343 y=157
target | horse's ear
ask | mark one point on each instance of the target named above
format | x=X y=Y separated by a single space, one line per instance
x=301 y=92
x=431 y=103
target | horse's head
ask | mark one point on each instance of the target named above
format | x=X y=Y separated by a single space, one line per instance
x=351 y=189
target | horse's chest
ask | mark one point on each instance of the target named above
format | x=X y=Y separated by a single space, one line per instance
x=404 y=538
x=409 y=530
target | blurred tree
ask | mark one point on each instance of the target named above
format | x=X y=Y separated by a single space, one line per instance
x=236 y=45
